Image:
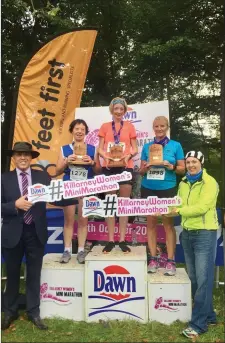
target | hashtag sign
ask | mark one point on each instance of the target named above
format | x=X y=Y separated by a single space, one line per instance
x=110 y=205
x=55 y=190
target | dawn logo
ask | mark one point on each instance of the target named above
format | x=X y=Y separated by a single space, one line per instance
x=114 y=285
x=38 y=192
x=131 y=115
x=92 y=205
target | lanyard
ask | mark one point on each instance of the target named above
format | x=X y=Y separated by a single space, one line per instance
x=162 y=142
x=115 y=134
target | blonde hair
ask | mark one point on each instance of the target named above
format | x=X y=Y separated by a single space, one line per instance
x=161 y=118
x=115 y=101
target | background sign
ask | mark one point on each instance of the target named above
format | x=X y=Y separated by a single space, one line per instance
x=50 y=89
x=141 y=115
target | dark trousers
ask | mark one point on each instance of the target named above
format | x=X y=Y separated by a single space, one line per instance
x=30 y=246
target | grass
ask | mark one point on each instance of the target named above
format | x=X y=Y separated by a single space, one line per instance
x=113 y=331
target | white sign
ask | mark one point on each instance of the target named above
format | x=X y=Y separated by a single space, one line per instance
x=38 y=192
x=115 y=287
x=77 y=173
x=169 y=297
x=62 y=289
x=113 y=205
x=140 y=115
x=74 y=189
x=156 y=174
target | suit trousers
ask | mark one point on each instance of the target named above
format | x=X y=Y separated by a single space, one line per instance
x=30 y=246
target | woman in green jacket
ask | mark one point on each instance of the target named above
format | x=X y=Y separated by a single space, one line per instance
x=198 y=191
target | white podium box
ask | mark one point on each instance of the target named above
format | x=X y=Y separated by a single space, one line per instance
x=169 y=297
x=116 y=285
x=62 y=288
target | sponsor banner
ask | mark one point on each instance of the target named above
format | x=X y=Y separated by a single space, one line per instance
x=116 y=289
x=140 y=115
x=98 y=231
x=119 y=206
x=73 y=189
x=49 y=91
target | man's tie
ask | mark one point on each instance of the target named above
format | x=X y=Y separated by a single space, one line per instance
x=28 y=218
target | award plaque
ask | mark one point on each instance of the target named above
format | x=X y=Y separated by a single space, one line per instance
x=156 y=155
x=116 y=153
x=80 y=150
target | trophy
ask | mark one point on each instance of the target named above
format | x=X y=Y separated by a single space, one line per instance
x=116 y=153
x=156 y=155
x=80 y=150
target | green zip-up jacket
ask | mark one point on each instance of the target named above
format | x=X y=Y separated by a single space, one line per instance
x=198 y=210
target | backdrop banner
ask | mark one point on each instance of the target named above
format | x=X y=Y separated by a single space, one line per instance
x=98 y=231
x=49 y=91
x=141 y=115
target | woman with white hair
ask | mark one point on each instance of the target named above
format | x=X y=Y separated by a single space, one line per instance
x=198 y=191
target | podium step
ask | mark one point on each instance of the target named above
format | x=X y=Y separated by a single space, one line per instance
x=137 y=253
x=181 y=277
x=113 y=286
x=62 y=288
x=116 y=285
x=169 y=297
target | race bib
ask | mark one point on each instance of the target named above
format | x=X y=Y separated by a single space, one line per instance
x=77 y=173
x=156 y=174
x=110 y=144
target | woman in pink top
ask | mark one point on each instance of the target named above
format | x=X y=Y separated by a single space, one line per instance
x=118 y=132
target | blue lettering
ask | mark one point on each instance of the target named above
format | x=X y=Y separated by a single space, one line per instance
x=98 y=275
x=92 y=203
x=119 y=283
x=113 y=284
x=37 y=190
x=130 y=115
x=109 y=284
x=131 y=281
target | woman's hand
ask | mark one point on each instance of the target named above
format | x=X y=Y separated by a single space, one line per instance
x=168 y=165
x=175 y=210
x=107 y=160
x=126 y=159
x=71 y=158
x=87 y=159
x=146 y=166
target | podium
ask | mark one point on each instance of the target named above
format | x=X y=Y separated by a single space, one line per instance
x=113 y=286
x=62 y=288
x=169 y=297
x=116 y=285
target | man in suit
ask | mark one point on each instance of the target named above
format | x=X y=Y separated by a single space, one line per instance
x=24 y=232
